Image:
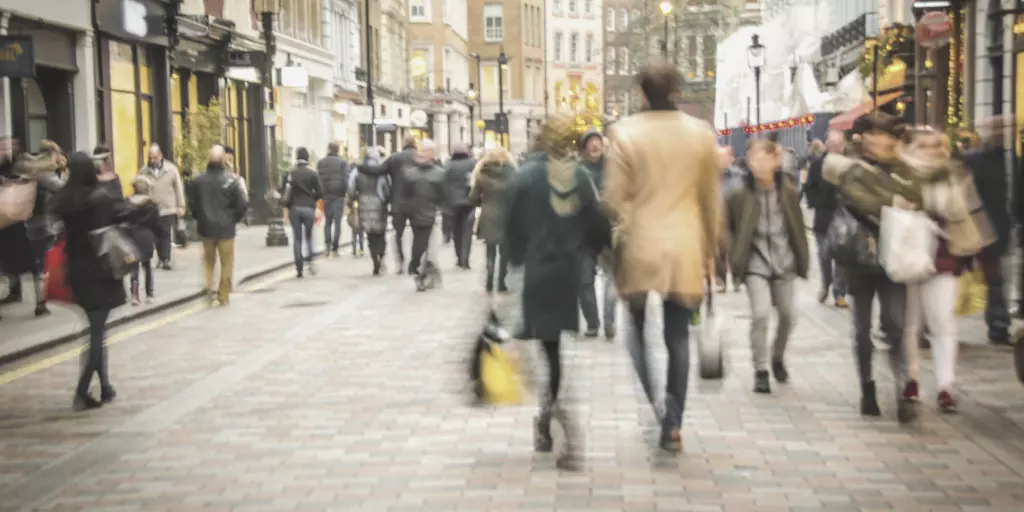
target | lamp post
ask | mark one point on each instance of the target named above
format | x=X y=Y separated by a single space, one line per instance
x=756 y=61
x=502 y=65
x=371 y=140
x=666 y=9
x=276 y=235
x=471 y=96
x=794 y=63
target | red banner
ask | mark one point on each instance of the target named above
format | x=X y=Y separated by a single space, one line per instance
x=778 y=125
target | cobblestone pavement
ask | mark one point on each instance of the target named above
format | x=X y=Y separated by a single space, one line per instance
x=345 y=392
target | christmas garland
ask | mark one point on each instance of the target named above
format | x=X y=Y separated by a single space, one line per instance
x=892 y=37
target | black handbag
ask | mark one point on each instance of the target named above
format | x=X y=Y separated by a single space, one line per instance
x=851 y=245
x=115 y=249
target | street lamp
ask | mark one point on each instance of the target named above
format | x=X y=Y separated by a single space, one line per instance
x=666 y=9
x=471 y=96
x=276 y=235
x=794 y=63
x=502 y=66
x=756 y=61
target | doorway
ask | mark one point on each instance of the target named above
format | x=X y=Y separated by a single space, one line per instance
x=43 y=108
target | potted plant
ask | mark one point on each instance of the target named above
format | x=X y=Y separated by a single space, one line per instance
x=200 y=132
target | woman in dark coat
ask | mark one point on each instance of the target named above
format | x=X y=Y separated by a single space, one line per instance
x=490 y=180
x=85 y=205
x=369 y=192
x=553 y=222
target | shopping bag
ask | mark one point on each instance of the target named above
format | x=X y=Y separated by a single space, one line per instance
x=851 y=245
x=494 y=369
x=973 y=297
x=181 y=232
x=706 y=329
x=907 y=243
x=55 y=277
x=17 y=200
x=116 y=251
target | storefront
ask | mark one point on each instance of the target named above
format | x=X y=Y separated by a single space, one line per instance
x=133 y=80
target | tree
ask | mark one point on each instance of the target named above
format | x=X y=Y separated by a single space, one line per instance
x=201 y=131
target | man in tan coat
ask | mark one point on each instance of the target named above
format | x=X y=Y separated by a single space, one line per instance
x=661 y=191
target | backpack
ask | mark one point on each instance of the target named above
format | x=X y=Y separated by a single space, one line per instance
x=852 y=245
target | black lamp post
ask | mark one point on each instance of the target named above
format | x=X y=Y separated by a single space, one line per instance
x=276 y=235
x=666 y=9
x=502 y=64
x=471 y=96
x=756 y=61
x=793 y=65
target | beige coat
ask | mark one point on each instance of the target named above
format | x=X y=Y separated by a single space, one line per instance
x=661 y=190
x=168 y=190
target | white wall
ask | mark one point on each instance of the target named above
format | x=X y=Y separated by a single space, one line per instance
x=562 y=23
x=71 y=14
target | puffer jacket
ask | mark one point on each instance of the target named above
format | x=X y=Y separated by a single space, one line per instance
x=456 y=180
x=333 y=172
x=423 y=193
x=373 y=204
x=489 y=192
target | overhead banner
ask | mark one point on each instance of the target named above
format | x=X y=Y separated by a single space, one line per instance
x=779 y=125
x=17 y=57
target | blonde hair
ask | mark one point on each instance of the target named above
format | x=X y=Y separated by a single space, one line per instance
x=497 y=155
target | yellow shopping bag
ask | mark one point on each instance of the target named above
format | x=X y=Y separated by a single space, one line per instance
x=499 y=377
x=973 y=293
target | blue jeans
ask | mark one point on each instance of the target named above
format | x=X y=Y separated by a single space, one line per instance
x=829 y=276
x=302 y=220
x=676 y=325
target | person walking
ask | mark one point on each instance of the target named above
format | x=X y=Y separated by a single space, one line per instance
x=734 y=177
x=458 y=173
x=143 y=231
x=553 y=223
x=85 y=205
x=169 y=195
x=491 y=178
x=108 y=178
x=370 y=190
x=593 y=161
x=302 y=190
x=821 y=197
x=661 y=193
x=218 y=203
x=424 y=196
x=395 y=168
x=768 y=251
x=334 y=175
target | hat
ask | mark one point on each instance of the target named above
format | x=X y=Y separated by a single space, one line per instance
x=302 y=154
x=880 y=122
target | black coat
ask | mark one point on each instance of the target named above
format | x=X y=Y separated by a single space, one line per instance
x=821 y=196
x=217 y=202
x=456 y=181
x=988 y=167
x=551 y=247
x=333 y=171
x=144 y=228
x=395 y=167
x=424 y=194
x=98 y=209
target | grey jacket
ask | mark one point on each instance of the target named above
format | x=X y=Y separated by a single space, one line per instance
x=333 y=171
x=423 y=193
x=456 y=180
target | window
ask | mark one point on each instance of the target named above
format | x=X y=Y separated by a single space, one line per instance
x=623 y=61
x=445 y=12
x=572 y=6
x=623 y=19
x=588 y=49
x=419 y=69
x=588 y=7
x=556 y=6
x=493 y=27
x=610 y=62
x=636 y=20
x=489 y=88
x=710 y=45
x=609 y=19
x=131 y=98
x=574 y=44
x=691 y=52
x=557 y=47
x=418 y=10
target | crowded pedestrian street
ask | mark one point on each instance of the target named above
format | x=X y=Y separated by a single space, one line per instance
x=346 y=391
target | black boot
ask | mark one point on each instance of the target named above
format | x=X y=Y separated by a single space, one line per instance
x=572 y=458
x=542 y=442
x=779 y=371
x=868 y=400
x=761 y=382
x=671 y=439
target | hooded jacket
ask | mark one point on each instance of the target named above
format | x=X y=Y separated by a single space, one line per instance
x=491 y=180
x=457 y=180
x=596 y=169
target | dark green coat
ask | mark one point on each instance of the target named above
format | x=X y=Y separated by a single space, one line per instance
x=489 y=193
x=551 y=247
x=743 y=208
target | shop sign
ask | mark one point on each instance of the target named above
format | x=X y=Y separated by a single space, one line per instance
x=418 y=118
x=779 y=125
x=296 y=77
x=934 y=29
x=17 y=57
x=143 y=20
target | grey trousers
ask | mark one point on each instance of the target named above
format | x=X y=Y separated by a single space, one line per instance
x=764 y=294
x=588 y=296
x=892 y=300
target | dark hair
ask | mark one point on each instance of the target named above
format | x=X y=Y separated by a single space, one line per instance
x=766 y=145
x=408 y=141
x=660 y=84
x=81 y=180
x=333 y=148
x=773 y=137
x=302 y=154
x=101 y=149
x=228 y=150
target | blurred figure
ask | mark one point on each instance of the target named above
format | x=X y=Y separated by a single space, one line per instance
x=768 y=250
x=661 y=191
x=143 y=230
x=424 y=196
x=395 y=167
x=108 y=178
x=334 y=175
x=821 y=197
x=169 y=195
x=371 y=191
x=491 y=179
x=733 y=179
x=229 y=165
x=218 y=203
x=460 y=211
x=85 y=204
x=988 y=167
x=592 y=157
x=553 y=223
x=306 y=190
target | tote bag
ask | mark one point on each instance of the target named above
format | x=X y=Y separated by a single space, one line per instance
x=116 y=251
x=907 y=243
x=17 y=199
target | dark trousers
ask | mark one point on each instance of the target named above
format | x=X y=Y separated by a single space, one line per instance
x=997 y=311
x=462 y=233
x=163 y=233
x=399 y=221
x=493 y=251
x=892 y=301
x=447 y=223
x=677 y=342
x=830 y=276
x=553 y=354
x=95 y=359
x=420 y=243
x=357 y=239
x=147 y=270
x=302 y=220
x=378 y=245
x=334 y=212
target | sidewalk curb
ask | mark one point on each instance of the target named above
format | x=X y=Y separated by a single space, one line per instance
x=160 y=308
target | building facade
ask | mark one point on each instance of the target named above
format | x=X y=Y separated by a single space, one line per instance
x=346 y=45
x=575 y=68
x=439 y=71
x=516 y=31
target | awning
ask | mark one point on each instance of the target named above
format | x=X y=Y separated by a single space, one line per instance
x=845 y=120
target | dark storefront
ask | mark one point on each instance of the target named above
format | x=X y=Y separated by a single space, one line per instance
x=42 y=107
x=133 y=79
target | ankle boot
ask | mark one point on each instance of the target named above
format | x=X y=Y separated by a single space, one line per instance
x=135 y=294
x=868 y=400
x=542 y=442
x=671 y=439
x=571 y=458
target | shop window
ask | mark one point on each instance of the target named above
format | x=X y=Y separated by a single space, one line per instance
x=238 y=124
x=131 y=107
x=36 y=110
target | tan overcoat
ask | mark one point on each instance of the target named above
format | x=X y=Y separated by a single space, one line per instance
x=661 y=192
